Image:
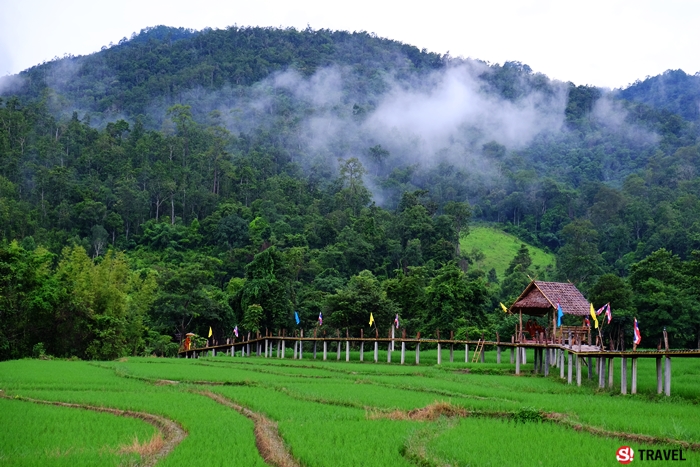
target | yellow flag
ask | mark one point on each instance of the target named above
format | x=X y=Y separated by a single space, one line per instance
x=371 y=319
x=595 y=318
x=505 y=310
x=210 y=331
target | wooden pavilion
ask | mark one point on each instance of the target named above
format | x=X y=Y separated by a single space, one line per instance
x=541 y=298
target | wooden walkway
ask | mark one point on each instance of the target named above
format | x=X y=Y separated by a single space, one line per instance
x=569 y=359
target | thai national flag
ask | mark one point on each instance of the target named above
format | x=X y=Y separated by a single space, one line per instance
x=587 y=322
x=637 y=334
x=235 y=331
x=320 y=319
x=396 y=321
x=608 y=313
x=600 y=310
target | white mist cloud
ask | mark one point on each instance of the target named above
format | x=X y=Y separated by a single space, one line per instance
x=455 y=107
x=612 y=116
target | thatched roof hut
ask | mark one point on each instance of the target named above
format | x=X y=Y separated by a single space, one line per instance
x=539 y=298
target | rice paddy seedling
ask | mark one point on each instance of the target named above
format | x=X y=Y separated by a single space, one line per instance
x=38 y=434
x=359 y=413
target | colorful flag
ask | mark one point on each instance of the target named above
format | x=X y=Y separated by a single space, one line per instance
x=587 y=322
x=235 y=331
x=637 y=334
x=599 y=310
x=504 y=308
x=296 y=317
x=396 y=321
x=209 y=332
x=593 y=315
x=560 y=314
x=320 y=319
x=608 y=313
x=371 y=319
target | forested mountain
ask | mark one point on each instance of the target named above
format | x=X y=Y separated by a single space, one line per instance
x=674 y=91
x=185 y=179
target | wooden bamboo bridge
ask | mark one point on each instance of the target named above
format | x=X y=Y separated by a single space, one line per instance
x=569 y=355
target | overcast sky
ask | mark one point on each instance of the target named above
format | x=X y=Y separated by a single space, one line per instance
x=605 y=43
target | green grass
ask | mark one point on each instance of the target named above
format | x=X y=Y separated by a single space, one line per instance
x=323 y=409
x=499 y=248
x=66 y=436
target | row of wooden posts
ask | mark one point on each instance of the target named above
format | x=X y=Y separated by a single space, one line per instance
x=265 y=346
x=568 y=359
x=566 y=356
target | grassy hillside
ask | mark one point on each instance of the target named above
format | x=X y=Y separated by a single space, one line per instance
x=499 y=248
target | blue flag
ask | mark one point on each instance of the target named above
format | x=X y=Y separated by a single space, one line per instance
x=560 y=315
x=296 y=317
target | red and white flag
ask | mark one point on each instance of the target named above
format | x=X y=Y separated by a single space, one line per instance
x=396 y=321
x=608 y=313
x=637 y=334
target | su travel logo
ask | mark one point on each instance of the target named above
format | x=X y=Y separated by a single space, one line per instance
x=625 y=455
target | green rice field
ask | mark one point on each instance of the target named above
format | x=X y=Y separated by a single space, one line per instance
x=337 y=413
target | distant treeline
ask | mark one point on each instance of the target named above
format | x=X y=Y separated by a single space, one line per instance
x=118 y=240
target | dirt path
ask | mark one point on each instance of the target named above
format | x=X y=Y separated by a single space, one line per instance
x=267 y=438
x=170 y=433
x=436 y=410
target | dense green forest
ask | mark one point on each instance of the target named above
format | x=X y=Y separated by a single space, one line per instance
x=182 y=180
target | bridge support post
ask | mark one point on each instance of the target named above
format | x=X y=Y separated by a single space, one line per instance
x=325 y=350
x=562 y=366
x=590 y=368
x=338 y=351
x=667 y=385
x=578 y=370
x=266 y=347
x=571 y=368
x=362 y=351
x=376 y=351
x=466 y=353
x=546 y=361
x=315 y=350
x=418 y=353
x=347 y=351
x=611 y=372
x=512 y=355
x=623 y=376
x=634 y=376
x=295 y=351
x=403 y=352
x=517 y=360
x=439 y=354
x=283 y=343
x=658 y=376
